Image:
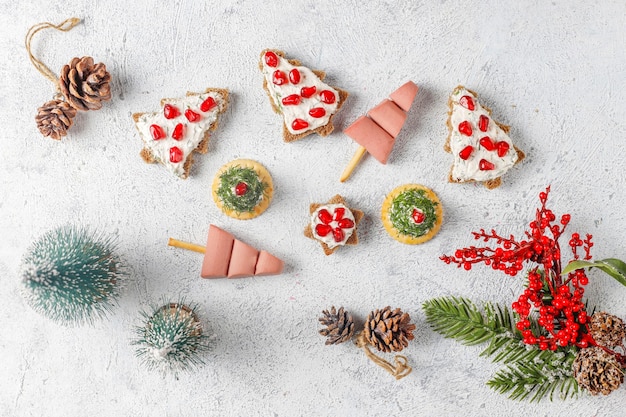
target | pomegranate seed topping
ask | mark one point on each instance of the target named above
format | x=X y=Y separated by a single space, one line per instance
x=324 y=216
x=418 y=216
x=503 y=148
x=294 y=76
x=157 y=132
x=487 y=143
x=170 y=111
x=208 y=104
x=307 y=92
x=279 y=77
x=338 y=234
x=466 y=152
x=467 y=102
x=323 y=229
x=465 y=128
x=299 y=124
x=176 y=155
x=327 y=96
x=345 y=223
x=271 y=59
x=483 y=123
x=192 y=116
x=241 y=188
x=485 y=165
x=317 y=112
x=179 y=132
x=291 y=100
x=339 y=212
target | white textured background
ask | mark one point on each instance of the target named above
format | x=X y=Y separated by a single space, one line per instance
x=554 y=70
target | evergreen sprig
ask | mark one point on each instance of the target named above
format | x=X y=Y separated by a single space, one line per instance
x=531 y=371
x=254 y=194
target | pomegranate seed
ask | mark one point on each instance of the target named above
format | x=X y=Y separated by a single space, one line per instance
x=323 y=229
x=271 y=59
x=345 y=223
x=467 y=102
x=487 y=143
x=466 y=152
x=176 y=155
x=418 y=216
x=317 y=112
x=338 y=234
x=241 y=188
x=503 y=148
x=208 y=104
x=170 y=111
x=291 y=100
x=294 y=76
x=485 y=165
x=279 y=77
x=339 y=212
x=157 y=132
x=327 y=96
x=465 y=128
x=179 y=132
x=483 y=123
x=324 y=216
x=299 y=124
x=307 y=92
x=192 y=116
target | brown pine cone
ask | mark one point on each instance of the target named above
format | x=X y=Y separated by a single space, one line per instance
x=597 y=371
x=54 y=118
x=389 y=330
x=607 y=330
x=85 y=85
x=339 y=326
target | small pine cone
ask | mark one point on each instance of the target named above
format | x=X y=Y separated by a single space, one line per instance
x=339 y=326
x=85 y=85
x=607 y=330
x=597 y=371
x=54 y=118
x=389 y=330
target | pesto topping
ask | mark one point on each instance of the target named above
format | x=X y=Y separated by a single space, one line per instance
x=401 y=213
x=253 y=195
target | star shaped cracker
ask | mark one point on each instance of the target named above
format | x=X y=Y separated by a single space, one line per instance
x=333 y=224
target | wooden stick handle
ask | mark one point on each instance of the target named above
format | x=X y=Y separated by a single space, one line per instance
x=353 y=163
x=186 y=245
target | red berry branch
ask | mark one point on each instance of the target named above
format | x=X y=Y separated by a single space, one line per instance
x=562 y=316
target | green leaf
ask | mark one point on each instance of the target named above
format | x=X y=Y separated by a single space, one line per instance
x=613 y=267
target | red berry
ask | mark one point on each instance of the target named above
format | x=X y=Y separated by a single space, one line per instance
x=328 y=96
x=467 y=102
x=583 y=280
x=483 y=123
x=271 y=59
x=241 y=188
x=179 y=132
x=466 y=152
x=317 y=112
x=338 y=234
x=503 y=148
x=339 y=212
x=279 y=77
x=294 y=76
x=465 y=128
x=176 y=155
x=487 y=143
x=323 y=229
x=485 y=165
x=291 y=100
x=467 y=266
x=299 y=124
x=345 y=223
x=208 y=104
x=418 y=216
x=170 y=111
x=324 y=216
x=192 y=116
x=157 y=132
x=307 y=92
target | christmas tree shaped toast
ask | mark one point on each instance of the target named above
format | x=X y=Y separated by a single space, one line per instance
x=183 y=127
x=300 y=95
x=226 y=256
x=481 y=147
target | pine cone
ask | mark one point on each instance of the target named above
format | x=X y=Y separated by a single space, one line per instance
x=607 y=330
x=597 y=371
x=389 y=330
x=54 y=118
x=85 y=85
x=339 y=326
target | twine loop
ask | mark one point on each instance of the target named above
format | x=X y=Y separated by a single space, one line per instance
x=399 y=370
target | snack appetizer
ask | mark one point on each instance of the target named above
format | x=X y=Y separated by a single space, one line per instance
x=299 y=94
x=481 y=147
x=242 y=189
x=412 y=214
x=333 y=224
x=225 y=256
x=183 y=127
x=377 y=133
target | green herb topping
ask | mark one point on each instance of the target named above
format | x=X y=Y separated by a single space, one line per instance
x=402 y=210
x=254 y=192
